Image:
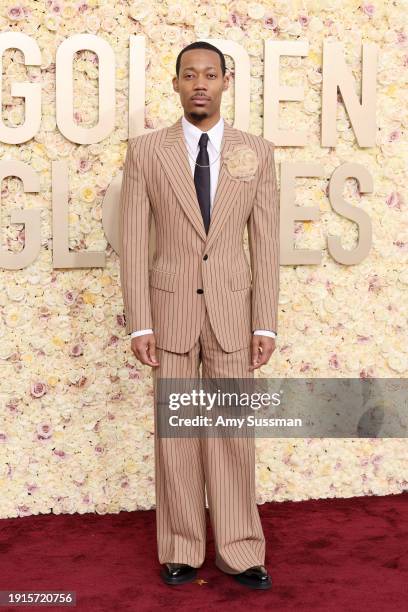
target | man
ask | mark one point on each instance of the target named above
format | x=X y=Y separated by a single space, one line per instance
x=204 y=182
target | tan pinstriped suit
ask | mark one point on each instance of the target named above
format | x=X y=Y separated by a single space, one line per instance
x=212 y=327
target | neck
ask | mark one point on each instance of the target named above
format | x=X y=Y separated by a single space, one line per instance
x=203 y=123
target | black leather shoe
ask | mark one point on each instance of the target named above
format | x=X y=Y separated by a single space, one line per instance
x=255 y=577
x=178 y=573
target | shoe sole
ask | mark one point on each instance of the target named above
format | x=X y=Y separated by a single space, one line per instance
x=251 y=584
x=174 y=581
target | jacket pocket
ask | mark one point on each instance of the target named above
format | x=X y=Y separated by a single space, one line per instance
x=241 y=280
x=162 y=280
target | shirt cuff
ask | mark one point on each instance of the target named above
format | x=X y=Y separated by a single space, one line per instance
x=141 y=332
x=264 y=332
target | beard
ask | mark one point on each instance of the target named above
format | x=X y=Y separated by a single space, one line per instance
x=198 y=117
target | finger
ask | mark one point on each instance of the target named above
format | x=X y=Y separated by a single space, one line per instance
x=263 y=358
x=145 y=357
x=140 y=352
x=152 y=352
x=255 y=351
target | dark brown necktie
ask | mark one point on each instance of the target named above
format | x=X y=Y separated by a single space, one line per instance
x=202 y=180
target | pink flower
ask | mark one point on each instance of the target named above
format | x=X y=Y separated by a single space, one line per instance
x=120 y=320
x=374 y=284
x=16 y=12
x=84 y=165
x=303 y=20
x=117 y=397
x=394 y=200
x=367 y=373
x=334 y=362
x=113 y=340
x=12 y=404
x=234 y=19
x=60 y=453
x=368 y=9
x=395 y=135
x=363 y=339
x=70 y=297
x=81 y=382
x=134 y=374
x=401 y=37
x=270 y=23
x=38 y=389
x=82 y=7
x=54 y=6
x=44 y=431
x=401 y=245
x=76 y=350
x=3 y=437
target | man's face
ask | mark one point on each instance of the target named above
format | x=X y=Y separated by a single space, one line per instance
x=200 y=83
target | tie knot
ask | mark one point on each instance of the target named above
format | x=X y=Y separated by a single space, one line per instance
x=203 y=140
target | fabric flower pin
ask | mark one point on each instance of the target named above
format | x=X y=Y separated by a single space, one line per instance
x=241 y=163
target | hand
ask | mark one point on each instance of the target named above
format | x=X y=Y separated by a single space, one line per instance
x=262 y=349
x=144 y=349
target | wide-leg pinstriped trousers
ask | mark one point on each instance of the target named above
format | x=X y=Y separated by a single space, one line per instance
x=224 y=466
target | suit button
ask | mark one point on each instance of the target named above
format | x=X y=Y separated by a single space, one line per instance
x=200 y=290
x=205 y=257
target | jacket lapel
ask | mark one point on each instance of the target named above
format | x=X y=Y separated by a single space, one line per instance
x=175 y=160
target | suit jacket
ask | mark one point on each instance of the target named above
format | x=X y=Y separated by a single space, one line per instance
x=191 y=270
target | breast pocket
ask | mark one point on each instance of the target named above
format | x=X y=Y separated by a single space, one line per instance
x=241 y=280
x=159 y=279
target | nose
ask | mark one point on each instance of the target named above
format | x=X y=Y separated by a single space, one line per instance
x=200 y=87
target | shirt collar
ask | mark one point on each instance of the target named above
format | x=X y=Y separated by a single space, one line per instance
x=192 y=133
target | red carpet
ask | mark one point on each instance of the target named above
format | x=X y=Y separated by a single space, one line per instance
x=332 y=554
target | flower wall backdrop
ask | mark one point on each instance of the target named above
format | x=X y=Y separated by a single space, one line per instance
x=76 y=407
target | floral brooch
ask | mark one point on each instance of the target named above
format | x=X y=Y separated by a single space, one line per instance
x=241 y=163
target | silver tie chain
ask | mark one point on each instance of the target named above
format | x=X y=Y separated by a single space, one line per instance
x=199 y=165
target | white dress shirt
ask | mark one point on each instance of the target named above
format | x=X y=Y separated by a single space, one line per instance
x=192 y=136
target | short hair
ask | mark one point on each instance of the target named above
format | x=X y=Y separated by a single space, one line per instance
x=201 y=44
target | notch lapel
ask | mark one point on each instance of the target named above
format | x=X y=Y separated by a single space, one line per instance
x=174 y=158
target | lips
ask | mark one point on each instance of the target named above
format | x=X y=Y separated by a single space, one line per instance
x=200 y=101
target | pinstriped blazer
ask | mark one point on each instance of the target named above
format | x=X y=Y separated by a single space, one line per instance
x=192 y=271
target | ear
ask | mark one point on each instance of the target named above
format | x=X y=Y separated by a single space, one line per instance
x=226 y=81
